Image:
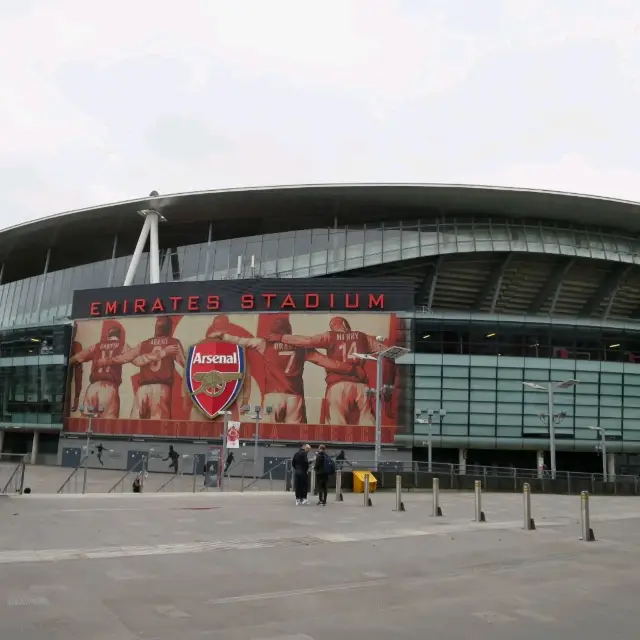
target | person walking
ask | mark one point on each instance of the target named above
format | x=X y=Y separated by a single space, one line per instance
x=341 y=460
x=174 y=456
x=300 y=466
x=322 y=474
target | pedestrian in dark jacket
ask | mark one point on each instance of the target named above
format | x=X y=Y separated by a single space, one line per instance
x=300 y=466
x=322 y=477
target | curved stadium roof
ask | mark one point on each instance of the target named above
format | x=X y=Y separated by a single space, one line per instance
x=326 y=200
x=487 y=278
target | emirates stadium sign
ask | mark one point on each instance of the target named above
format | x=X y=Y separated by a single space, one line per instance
x=283 y=295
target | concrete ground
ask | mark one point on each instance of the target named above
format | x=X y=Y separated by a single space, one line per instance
x=254 y=566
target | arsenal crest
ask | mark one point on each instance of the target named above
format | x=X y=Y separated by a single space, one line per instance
x=214 y=376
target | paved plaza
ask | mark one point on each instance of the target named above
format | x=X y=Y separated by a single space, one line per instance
x=254 y=566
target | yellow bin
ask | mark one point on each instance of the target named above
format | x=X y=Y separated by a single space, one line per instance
x=358 y=481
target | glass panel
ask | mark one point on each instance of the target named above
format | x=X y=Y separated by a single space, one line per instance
x=319 y=247
x=222 y=263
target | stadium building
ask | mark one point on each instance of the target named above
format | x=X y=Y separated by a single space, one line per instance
x=115 y=309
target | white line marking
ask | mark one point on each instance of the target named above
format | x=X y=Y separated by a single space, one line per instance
x=56 y=555
x=298 y=592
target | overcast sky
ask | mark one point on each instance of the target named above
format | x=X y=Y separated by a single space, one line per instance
x=106 y=100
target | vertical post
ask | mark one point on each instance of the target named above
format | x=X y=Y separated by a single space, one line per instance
x=154 y=249
x=604 y=455
x=43 y=283
x=256 y=438
x=430 y=448
x=112 y=267
x=552 y=432
x=587 y=531
x=312 y=488
x=367 y=499
x=462 y=462
x=339 y=497
x=137 y=253
x=141 y=473
x=221 y=463
x=478 y=500
x=529 y=523
x=208 y=253
x=611 y=467
x=86 y=458
x=399 y=503
x=195 y=460
x=435 y=488
x=22 y=470
x=35 y=443
x=540 y=463
x=379 y=363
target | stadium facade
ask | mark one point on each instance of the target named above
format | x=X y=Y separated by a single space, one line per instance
x=487 y=288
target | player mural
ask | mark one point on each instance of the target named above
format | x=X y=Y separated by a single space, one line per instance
x=175 y=375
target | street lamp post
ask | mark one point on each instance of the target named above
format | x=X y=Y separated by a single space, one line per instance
x=90 y=413
x=441 y=413
x=389 y=353
x=258 y=415
x=603 y=449
x=221 y=461
x=551 y=418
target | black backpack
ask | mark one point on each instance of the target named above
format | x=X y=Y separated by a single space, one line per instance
x=329 y=465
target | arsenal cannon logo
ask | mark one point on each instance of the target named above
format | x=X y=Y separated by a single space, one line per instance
x=214 y=376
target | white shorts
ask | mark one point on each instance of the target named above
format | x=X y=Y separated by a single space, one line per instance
x=348 y=403
x=152 y=402
x=287 y=408
x=103 y=396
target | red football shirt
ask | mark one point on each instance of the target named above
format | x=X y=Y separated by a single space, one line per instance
x=160 y=371
x=111 y=372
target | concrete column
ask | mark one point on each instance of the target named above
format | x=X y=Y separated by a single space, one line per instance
x=154 y=251
x=137 y=253
x=1 y=440
x=540 y=463
x=611 y=466
x=34 y=447
x=462 y=461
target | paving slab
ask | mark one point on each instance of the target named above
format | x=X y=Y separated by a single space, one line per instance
x=256 y=567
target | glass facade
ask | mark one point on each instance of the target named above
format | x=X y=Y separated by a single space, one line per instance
x=46 y=298
x=488 y=406
x=528 y=340
x=32 y=377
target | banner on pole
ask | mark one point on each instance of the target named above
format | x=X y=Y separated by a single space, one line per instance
x=233 y=435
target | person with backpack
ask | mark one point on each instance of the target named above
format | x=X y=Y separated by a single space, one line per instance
x=300 y=466
x=324 y=467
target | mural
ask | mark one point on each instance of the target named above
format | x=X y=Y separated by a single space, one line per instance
x=175 y=375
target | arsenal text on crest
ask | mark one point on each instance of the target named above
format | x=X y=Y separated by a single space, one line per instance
x=201 y=358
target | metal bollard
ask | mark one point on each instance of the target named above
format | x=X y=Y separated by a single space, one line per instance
x=312 y=488
x=435 y=488
x=478 y=499
x=399 y=503
x=587 y=531
x=529 y=522
x=367 y=499
x=339 y=497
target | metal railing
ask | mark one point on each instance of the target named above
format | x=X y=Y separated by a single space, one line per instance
x=66 y=485
x=227 y=474
x=12 y=470
x=139 y=469
x=173 y=478
x=419 y=475
x=268 y=474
